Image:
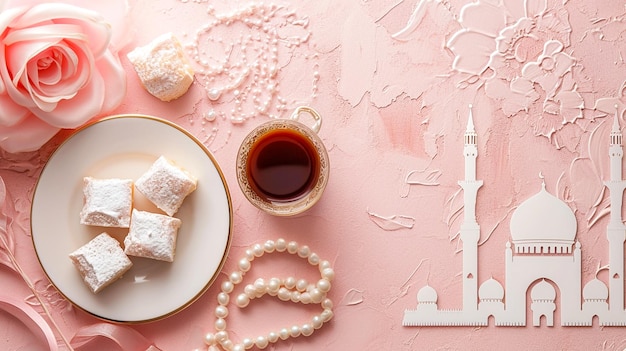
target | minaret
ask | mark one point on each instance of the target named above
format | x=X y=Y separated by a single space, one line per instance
x=616 y=233
x=470 y=230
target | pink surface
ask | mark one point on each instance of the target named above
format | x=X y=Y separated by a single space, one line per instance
x=542 y=80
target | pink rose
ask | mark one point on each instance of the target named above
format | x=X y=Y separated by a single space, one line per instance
x=57 y=70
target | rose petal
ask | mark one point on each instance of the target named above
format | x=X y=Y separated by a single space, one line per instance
x=45 y=32
x=91 y=23
x=115 y=83
x=21 y=53
x=28 y=135
x=9 y=15
x=75 y=112
x=77 y=66
x=10 y=112
x=115 y=12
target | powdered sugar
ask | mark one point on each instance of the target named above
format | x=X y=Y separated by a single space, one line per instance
x=166 y=185
x=108 y=202
x=152 y=235
x=101 y=261
x=162 y=67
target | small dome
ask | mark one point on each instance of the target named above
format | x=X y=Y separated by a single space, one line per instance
x=543 y=291
x=543 y=223
x=491 y=290
x=427 y=295
x=595 y=290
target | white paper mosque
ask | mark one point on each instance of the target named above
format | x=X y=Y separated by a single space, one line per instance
x=543 y=254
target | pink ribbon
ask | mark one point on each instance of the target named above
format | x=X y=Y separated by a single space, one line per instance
x=31 y=319
x=126 y=338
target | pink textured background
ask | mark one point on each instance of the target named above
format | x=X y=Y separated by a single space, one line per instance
x=390 y=106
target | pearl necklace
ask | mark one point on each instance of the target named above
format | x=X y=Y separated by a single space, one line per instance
x=289 y=289
x=238 y=53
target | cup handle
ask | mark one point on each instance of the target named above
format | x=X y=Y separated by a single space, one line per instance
x=316 y=116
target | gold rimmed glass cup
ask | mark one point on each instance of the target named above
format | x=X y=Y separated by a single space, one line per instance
x=283 y=166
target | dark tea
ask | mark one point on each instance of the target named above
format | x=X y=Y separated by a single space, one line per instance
x=283 y=165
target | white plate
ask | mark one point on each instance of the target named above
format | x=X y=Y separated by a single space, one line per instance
x=124 y=147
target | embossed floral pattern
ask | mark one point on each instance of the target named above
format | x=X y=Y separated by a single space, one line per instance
x=517 y=49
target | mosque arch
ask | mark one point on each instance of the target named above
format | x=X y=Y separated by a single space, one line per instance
x=543 y=298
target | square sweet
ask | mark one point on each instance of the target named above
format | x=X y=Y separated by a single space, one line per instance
x=166 y=185
x=107 y=202
x=162 y=67
x=101 y=261
x=152 y=235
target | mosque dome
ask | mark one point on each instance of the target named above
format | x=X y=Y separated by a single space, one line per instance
x=491 y=290
x=543 y=224
x=427 y=295
x=596 y=290
x=543 y=291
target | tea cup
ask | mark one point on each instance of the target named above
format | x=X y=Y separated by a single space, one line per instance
x=282 y=164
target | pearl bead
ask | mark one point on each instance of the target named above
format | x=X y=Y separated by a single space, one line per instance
x=323 y=265
x=316 y=295
x=301 y=285
x=236 y=277
x=258 y=250
x=209 y=339
x=221 y=336
x=261 y=342
x=305 y=298
x=247 y=343
x=294 y=332
x=326 y=315
x=250 y=255
x=304 y=251
x=317 y=321
x=249 y=290
x=259 y=286
x=306 y=329
x=244 y=265
x=210 y=116
x=269 y=246
x=243 y=300
x=284 y=334
x=290 y=282
x=220 y=324
x=227 y=345
x=314 y=259
x=227 y=287
x=273 y=286
x=223 y=298
x=272 y=337
x=284 y=294
x=295 y=296
x=292 y=247
x=221 y=312
x=214 y=94
x=328 y=273
x=238 y=347
x=323 y=285
x=327 y=304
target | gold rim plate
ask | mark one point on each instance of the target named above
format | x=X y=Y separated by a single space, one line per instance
x=124 y=146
